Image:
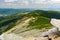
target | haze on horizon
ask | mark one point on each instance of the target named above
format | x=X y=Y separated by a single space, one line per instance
x=37 y=4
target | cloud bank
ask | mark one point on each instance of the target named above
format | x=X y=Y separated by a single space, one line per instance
x=10 y=0
x=40 y=4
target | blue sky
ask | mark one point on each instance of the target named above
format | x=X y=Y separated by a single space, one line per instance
x=38 y=4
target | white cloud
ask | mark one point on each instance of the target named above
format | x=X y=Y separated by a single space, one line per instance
x=24 y=2
x=39 y=1
x=10 y=0
x=36 y=4
x=54 y=1
x=9 y=5
x=45 y=1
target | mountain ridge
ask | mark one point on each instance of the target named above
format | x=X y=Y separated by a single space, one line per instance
x=41 y=20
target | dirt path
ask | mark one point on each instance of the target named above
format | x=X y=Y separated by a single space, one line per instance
x=20 y=27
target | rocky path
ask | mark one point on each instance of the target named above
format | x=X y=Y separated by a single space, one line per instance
x=13 y=36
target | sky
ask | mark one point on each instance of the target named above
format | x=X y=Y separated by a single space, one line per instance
x=37 y=4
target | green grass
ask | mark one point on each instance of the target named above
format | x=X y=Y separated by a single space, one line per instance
x=42 y=20
x=9 y=22
x=40 y=23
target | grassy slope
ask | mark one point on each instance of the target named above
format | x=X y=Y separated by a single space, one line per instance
x=42 y=20
x=39 y=21
x=9 y=22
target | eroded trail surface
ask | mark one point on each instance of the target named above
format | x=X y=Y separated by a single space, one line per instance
x=21 y=26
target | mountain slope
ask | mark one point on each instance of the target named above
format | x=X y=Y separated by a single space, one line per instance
x=18 y=23
x=37 y=22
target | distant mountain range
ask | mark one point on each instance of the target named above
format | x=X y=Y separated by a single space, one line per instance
x=13 y=11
